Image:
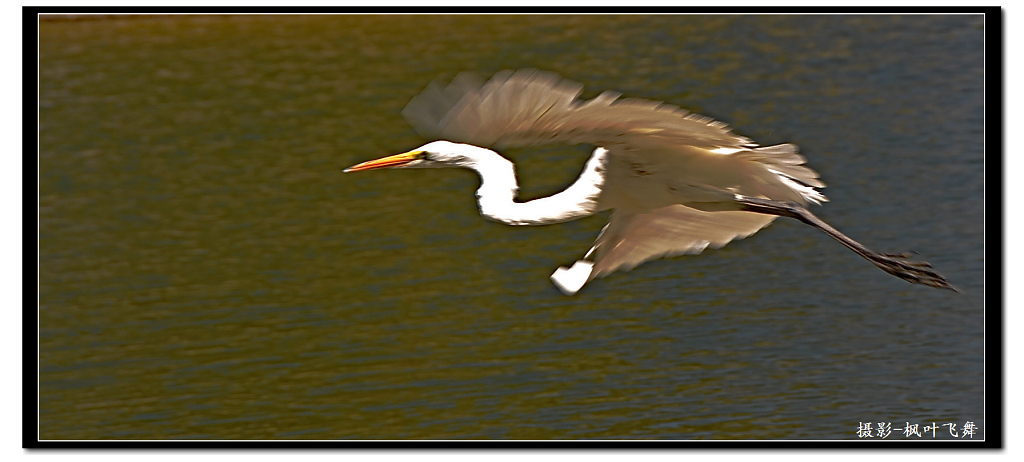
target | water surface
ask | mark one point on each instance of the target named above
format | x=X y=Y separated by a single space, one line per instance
x=208 y=272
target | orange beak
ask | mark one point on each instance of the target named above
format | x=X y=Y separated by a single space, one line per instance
x=396 y=160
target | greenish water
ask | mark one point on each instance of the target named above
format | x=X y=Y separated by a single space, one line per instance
x=208 y=272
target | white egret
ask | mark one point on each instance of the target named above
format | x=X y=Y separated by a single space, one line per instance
x=678 y=182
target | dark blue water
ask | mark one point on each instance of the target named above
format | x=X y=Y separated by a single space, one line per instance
x=207 y=271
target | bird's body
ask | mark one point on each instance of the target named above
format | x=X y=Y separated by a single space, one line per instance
x=677 y=182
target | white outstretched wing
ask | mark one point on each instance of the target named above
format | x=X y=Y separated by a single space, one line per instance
x=531 y=107
x=630 y=239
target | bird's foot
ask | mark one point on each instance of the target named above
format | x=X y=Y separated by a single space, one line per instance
x=917 y=272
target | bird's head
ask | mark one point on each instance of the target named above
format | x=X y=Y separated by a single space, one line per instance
x=435 y=154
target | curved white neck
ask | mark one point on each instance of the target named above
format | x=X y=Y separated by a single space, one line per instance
x=498 y=188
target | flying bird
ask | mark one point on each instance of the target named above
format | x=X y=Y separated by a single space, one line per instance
x=676 y=182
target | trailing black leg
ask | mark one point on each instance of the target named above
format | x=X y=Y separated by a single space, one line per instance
x=918 y=272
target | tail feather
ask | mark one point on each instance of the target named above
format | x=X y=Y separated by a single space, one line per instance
x=785 y=161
